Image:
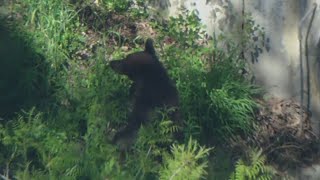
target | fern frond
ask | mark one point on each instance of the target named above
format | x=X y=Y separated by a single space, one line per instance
x=255 y=168
x=187 y=162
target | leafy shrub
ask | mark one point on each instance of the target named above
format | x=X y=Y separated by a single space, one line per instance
x=186 y=162
x=53 y=25
x=33 y=150
x=253 y=168
x=151 y=144
x=30 y=144
x=253 y=38
x=185 y=29
x=117 y=5
x=86 y=98
x=215 y=97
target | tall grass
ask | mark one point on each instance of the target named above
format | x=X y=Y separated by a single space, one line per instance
x=54 y=25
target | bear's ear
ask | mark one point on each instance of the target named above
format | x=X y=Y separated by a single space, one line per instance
x=149 y=47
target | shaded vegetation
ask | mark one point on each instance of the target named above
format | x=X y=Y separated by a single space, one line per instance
x=23 y=82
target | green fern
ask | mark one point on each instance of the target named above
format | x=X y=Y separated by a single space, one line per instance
x=168 y=127
x=254 y=169
x=186 y=162
x=158 y=131
x=152 y=143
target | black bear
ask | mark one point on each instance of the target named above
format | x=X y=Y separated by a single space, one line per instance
x=151 y=88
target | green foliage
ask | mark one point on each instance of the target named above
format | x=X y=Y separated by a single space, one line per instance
x=233 y=112
x=186 y=162
x=253 y=39
x=253 y=168
x=54 y=25
x=216 y=98
x=185 y=29
x=38 y=152
x=151 y=145
x=31 y=144
x=117 y=5
x=86 y=99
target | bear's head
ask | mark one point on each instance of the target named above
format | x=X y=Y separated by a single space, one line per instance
x=139 y=65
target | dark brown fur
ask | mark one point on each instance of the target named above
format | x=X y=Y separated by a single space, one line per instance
x=151 y=88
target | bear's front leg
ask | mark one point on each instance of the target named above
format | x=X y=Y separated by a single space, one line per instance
x=138 y=116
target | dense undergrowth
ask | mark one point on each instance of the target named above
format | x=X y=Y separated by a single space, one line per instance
x=60 y=110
